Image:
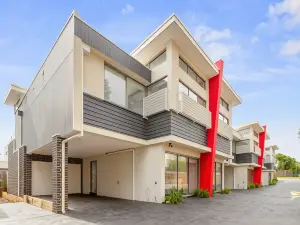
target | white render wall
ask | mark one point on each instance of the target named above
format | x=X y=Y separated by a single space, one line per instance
x=42 y=178
x=265 y=178
x=150 y=174
x=114 y=175
x=241 y=177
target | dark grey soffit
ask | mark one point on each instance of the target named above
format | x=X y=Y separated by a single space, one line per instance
x=106 y=115
x=106 y=47
x=270 y=166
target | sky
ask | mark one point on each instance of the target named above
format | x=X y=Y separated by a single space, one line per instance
x=259 y=42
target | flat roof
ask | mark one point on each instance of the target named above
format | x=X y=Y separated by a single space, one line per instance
x=274 y=147
x=15 y=93
x=235 y=99
x=255 y=125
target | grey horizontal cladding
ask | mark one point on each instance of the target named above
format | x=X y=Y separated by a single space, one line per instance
x=247 y=158
x=106 y=47
x=106 y=115
x=103 y=114
x=158 y=125
x=270 y=166
x=187 y=129
x=223 y=144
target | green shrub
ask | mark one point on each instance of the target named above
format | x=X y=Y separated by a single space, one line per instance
x=225 y=191
x=260 y=186
x=273 y=182
x=256 y=186
x=201 y=193
x=251 y=186
x=174 y=196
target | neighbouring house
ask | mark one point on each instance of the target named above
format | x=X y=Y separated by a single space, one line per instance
x=3 y=168
x=97 y=120
x=246 y=164
x=270 y=163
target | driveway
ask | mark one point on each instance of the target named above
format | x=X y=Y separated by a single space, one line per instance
x=270 y=205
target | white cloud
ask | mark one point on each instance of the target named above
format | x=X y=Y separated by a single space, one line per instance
x=254 y=39
x=127 y=9
x=217 y=43
x=207 y=34
x=291 y=47
x=288 y=11
x=217 y=50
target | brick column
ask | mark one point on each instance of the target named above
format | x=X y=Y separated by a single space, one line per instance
x=25 y=172
x=57 y=174
x=207 y=160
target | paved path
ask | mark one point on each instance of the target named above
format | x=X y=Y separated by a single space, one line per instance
x=271 y=205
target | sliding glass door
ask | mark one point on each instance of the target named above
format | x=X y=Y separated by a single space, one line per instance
x=181 y=172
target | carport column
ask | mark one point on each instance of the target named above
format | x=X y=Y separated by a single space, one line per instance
x=257 y=177
x=25 y=170
x=57 y=178
x=207 y=160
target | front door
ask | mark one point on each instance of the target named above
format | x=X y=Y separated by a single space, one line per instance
x=93 y=171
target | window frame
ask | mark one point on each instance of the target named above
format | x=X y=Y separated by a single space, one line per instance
x=155 y=57
x=197 y=75
x=188 y=169
x=224 y=104
x=126 y=77
x=198 y=96
x=223 y=117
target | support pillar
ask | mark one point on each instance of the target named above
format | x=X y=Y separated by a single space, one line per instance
x=57 y=176
x=207 y=160
x=25 y=172
x=257 y=178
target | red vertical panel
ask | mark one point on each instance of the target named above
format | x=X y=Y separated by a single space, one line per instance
x=207 y=160
x=258 y=171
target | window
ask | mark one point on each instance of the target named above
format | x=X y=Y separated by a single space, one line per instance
x=157 y=60
x=255 y=143
x=157 y=86
x=223 y=118
x=255 y=134
x=114 y=86
x=184 y=89
x=224 y=104
x=123 y=90
x=135 y=95
x=186 y=68
x=170 y=171
x=181 y=172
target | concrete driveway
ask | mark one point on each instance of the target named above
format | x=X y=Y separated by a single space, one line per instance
x=270 y=205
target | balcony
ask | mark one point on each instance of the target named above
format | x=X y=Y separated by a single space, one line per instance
x=193 y=110
x=155 y=103
x=225 y=130
x=257 y=150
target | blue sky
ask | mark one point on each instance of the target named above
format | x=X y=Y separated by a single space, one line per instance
x=259 y=42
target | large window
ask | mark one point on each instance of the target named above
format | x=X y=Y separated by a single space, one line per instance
x=157 y=60
x=123 y=90
x=157 y=86
x=181 y=172
x=224 y=104
x=184 y=89
x=255 y=133
x=186 y=68
x=223 y=118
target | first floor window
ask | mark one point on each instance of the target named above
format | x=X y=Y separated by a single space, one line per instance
x=224 y=119
x=114 y=86
x=184 y=89
x=181 y=172
x=123 y=90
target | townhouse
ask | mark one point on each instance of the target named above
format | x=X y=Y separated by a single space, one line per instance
x=270 y=164
x=99 y=121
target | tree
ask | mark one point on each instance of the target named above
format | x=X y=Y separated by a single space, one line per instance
x=288 y=163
